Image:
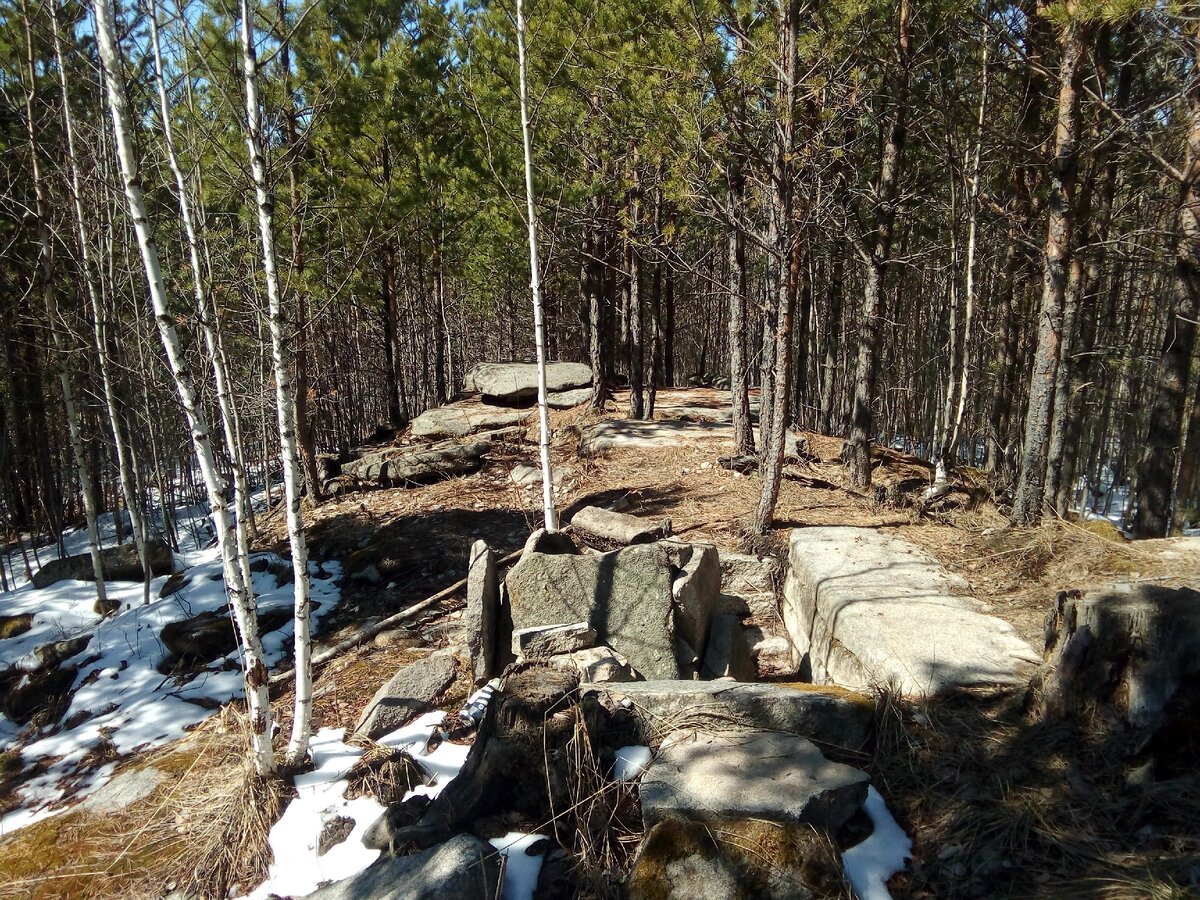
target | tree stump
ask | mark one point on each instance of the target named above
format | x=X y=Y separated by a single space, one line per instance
x=1121 y=654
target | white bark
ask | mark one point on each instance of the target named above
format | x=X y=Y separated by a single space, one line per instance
x=137 y=522
x=239 y=592
x=285 y=400
x=206 y=313
x=45 y=251
x=551 y=516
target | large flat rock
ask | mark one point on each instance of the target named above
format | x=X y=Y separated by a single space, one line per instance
x=464 y=867
x=766 y=776
x=618 y=434
x=831 y=716
x=512 y=383
x=865 y=609
x=458 y=420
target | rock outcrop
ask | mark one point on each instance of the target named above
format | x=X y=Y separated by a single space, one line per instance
x=406 y=466
x=513 y=384
x=120 y=563
x=464 y=867
x=413 y=690
x=863 y=609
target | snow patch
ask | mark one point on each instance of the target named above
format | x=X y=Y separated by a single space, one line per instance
x=520 y=868
x=887 y=851
x=630 y=763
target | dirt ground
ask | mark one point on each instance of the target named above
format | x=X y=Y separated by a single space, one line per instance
x=997 y=804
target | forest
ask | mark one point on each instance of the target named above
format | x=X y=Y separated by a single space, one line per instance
x=250 y=247
x=964 y=229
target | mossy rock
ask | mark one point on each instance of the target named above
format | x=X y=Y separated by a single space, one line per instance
x=11 y=626
x=745 y=860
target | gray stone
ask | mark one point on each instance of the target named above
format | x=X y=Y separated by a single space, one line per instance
x=760 y=775
x=598 y=665
x=743 y=574
x=552 y=640
x=124 y=790
x=463 y=867
x=460 y=421
x=49 y=656
x=210 y=635
x=624 y=595
x=569 y=399
x=483 y=607
x=608 y=530
x=404 y=466
x=831 y=716
x=621 y=434
x=727 y=654
x=531 y=476
x=696 y=592
x=413 y=690
x=543 y=541
x=518 y=382
x=864 y=609
x=119 y=563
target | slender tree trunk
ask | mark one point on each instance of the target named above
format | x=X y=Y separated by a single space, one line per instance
x=45 y=280
x=743 y=431
x=550 y=515
x=1027 y=508
x=285 y=401
x=1166 y=432
x=877 y=258
x=239 y=592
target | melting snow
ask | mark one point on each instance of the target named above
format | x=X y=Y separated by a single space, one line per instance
x=121 y=698
x=630 y=763
x=520 y=868
x=887 y=851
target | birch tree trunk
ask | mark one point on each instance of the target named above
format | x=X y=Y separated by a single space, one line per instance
x=206 y=313
x=239 y=591
x=285 y=400
x=551 y=518
x=129 y=492
x=45 y=277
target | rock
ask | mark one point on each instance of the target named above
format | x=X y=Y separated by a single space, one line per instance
x=49 y=656
x=464 y=867
x=757 y=577
x=569 y=399
x=696 y=591
x=618 y=434
x=403 y=467
x=625 y=596
x=173 y=585
x=543 y=541
x=598 y=665
x=864 y=608
x=119 y=563
x=210 y=635
x=608 y=530
x=517 y=383
x=681 y=860
x=11 y=626
x=727 y=654
x=106 y=607
x=126 y=789
x=531 y=476
x=460 y=421
x=334 y=832
x=413 y=690
x=768 y=776
x=831 y=716
x=772 y=655
x=552 y=640
x=483 y=609
x=1122 y=653
x=41 y=696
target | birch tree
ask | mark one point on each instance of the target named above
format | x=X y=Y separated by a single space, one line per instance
x=551 y=517
x=239 y=591
x=285 y=399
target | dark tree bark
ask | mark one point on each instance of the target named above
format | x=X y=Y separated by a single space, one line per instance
x=1027 y=508
x=878 y=255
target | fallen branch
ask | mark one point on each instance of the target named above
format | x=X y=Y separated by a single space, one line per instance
x=365 y=634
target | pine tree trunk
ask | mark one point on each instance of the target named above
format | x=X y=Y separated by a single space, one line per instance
x=239 y=592
x=1166 y=432
x=858 y=448
x=743 y=431
x=1030 y=498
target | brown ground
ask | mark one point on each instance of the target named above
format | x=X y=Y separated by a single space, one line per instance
x=984 y=793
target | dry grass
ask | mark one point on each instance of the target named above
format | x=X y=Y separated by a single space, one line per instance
x=385 y=773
